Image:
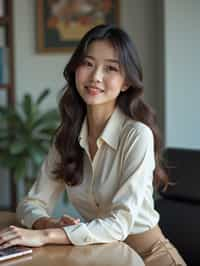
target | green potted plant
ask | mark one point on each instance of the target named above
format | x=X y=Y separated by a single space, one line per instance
x=26 y=131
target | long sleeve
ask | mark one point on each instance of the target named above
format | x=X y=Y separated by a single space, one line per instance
x=136 y=176
x=43 y=195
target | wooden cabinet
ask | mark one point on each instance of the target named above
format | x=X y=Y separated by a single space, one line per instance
x=7 y=81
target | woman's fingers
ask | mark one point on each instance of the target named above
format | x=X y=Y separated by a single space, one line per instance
x=68 y=220
x=10 y=243
x=20 y=236
x=7 y=236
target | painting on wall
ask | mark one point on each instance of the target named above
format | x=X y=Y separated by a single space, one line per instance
x=62 y=23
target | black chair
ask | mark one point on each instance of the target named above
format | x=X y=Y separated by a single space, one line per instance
x=179 y=205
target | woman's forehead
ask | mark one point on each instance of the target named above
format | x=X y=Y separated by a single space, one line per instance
x=103 y=48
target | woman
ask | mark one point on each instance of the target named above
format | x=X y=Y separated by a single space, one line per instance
x=106 y=154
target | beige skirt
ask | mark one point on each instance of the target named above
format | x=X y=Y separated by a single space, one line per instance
x=155 y=249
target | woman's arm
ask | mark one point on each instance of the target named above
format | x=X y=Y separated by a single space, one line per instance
x=49 y=231
x=43 y=195
x=49 y=222
x=13 y=235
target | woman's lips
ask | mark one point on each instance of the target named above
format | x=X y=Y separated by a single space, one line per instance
x=93 y=90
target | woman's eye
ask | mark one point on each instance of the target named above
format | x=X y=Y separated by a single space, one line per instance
x=87 y=63
x=112 y=68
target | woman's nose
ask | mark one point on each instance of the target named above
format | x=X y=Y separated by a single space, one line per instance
x=97 y=75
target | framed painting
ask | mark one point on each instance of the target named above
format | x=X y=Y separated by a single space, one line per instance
x=62 y=23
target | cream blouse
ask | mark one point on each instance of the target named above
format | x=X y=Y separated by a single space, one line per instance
x=115 y=198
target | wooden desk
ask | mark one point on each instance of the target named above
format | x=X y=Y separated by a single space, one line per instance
x=113 y=254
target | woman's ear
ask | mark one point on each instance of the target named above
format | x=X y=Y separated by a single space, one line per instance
x=125 y=87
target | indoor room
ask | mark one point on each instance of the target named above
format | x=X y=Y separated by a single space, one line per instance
x=38 y=40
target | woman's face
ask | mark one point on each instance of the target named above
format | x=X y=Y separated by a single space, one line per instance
x=99 y=79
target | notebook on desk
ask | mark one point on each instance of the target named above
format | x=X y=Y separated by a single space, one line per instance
x=13 y=252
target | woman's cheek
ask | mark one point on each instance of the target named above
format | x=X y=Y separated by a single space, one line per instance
x=116 y=84
x=79 y=76
x=78 y=72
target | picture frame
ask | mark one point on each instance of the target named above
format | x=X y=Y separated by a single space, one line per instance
x=62 y=23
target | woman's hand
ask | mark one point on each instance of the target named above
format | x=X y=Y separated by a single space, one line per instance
x=48 y=222
x=13 y=235
x=68 y=220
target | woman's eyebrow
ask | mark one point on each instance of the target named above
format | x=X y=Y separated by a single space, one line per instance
x=107 y=60
x=112 y=61
x=90 y=57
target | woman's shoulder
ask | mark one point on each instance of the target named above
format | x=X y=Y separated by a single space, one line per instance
x=134 y=129
x=136 y=139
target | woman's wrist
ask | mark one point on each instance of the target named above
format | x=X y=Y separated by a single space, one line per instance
x=55 y=236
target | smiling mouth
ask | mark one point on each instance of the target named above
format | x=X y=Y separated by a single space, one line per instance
x=94 y=90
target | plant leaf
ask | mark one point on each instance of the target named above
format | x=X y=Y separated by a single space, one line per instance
x=17 y=148
x=37 y=153
x=20 y=171
x=25 y=134
x=42 y=96
x=48 y=118
x=8 y=160
x=27 y=104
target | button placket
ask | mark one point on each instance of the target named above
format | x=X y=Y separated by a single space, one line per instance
x=91 y=179
x=94 y=177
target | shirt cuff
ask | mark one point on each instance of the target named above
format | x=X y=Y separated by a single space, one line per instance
x=79 y=234
x=29 y=220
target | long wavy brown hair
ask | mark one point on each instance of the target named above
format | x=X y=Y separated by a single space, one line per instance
x=73 y=108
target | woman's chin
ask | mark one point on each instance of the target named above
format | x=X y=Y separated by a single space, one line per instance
x=93 y=101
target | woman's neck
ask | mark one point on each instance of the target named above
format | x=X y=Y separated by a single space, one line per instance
x=97 y=118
